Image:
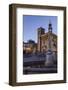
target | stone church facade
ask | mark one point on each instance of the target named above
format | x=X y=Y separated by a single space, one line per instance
x=46 y=41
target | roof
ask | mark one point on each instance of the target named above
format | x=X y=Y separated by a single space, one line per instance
x=46 y=34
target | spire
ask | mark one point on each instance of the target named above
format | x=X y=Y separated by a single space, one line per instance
x=50 y=27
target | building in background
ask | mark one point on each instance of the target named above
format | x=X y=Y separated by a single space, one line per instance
x=29 y=47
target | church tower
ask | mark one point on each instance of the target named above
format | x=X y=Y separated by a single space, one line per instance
x=41 y=31
x=50 y=27
x=49 y=35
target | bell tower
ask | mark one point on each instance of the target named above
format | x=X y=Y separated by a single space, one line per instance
x=49 y=35
x=50 y=27
x=40 y=31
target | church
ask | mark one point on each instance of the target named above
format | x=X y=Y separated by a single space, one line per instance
x=46 y=40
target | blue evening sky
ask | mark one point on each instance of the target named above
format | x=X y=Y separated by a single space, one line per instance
x=31 y=23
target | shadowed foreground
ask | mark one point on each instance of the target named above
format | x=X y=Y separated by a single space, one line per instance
x=35 y=64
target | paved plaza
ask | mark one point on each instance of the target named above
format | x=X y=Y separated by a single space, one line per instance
x=35 y=64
